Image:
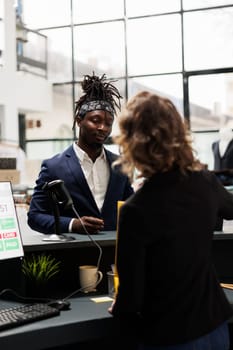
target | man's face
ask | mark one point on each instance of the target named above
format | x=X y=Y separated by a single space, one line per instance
x=95 y=127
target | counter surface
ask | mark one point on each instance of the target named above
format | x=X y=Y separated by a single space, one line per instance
x=34 y=241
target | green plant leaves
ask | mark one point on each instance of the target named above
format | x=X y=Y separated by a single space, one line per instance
x=40 y=268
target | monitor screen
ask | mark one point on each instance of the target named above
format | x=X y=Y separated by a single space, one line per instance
x=11 y=245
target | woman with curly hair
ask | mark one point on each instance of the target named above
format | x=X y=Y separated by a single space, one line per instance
x=85 y=167
x=168 y=289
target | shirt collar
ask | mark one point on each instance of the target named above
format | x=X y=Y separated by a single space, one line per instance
x=82 y=155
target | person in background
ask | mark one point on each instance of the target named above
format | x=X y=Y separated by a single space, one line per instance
x=169 y=293
x=85 y=167
x=223 y=150
x=223 y=156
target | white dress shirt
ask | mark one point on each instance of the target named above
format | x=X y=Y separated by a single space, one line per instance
x=96 y=173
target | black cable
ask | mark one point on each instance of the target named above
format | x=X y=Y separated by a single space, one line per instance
x=88 y=234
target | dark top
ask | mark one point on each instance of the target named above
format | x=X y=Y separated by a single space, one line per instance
x=168 y=283
x=226 y=161
x=66 y=166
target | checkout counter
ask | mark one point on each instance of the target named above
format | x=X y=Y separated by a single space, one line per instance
x=87 y=324
x=69 y=254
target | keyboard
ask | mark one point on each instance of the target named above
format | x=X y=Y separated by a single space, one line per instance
x=19 y=315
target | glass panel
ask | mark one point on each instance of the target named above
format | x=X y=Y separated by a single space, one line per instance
x=59 y=54
x=148 y=7
x=157 y=47
x=32 y=53
x=42 y=150
x=167 y=85
x=46 y=13
x=211 y=101
x=99 y=48
x=193 y=4
x=90 y=11
x=56 y=123
x=210 y=43
x=202 y=144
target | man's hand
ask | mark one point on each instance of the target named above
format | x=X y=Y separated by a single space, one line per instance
x=92 y=225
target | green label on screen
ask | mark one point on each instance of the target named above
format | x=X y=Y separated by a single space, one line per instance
x=7 y=223
x=11 y=244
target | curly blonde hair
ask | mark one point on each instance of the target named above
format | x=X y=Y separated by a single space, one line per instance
x=153 y=137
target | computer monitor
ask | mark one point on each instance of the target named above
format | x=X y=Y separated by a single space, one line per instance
x=11 y=245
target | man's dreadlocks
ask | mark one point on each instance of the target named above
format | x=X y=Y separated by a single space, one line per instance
x=99 y=93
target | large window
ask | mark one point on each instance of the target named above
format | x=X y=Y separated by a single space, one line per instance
x=148 y=7
x=157 y=48
x=179 y=49
x=46 y=13
x=86 y=11
x=210 y=45
x=195 y=4
x=59 y=54
x=169 y=85
x=101 y=48
x=214 y=108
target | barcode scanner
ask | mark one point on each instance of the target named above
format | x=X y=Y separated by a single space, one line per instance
x=57 y=187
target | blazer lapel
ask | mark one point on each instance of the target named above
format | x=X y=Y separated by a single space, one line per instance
x=76 y=171
x=228 y=149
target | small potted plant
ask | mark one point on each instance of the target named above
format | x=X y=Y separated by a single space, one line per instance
x=39 y=270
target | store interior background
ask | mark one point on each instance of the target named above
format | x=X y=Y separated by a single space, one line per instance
x=182 y=49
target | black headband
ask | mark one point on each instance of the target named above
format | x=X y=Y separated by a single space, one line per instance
x=95 y=105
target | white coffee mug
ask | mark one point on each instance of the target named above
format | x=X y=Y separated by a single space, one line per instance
x=89 y=278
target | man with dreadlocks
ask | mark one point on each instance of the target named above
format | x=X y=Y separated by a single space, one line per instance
x=85 y=167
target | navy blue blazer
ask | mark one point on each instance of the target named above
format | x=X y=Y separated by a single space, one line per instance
x=66 y=166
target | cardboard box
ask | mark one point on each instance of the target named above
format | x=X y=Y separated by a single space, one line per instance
x=10 y=175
